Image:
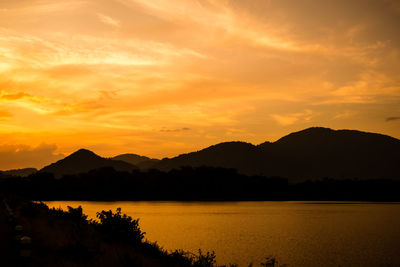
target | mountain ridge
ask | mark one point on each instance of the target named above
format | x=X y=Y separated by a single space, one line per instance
x=312 y=153
x=24 y=172
x=82 y=161
x=142 y=162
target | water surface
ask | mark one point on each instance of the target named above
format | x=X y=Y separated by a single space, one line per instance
x=295 y=233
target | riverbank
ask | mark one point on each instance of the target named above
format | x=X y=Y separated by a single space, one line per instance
x=60 y=238
x=296 y=233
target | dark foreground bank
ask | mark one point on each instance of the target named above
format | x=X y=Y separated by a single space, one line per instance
x=34 y=235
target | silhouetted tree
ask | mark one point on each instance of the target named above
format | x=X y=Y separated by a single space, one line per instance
x=120 y=226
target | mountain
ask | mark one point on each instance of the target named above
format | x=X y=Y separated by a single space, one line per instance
x=322 y=152
x=19 y=172
x=312 y=153
x=141 y=162
x=238 y=155
x=83 y=161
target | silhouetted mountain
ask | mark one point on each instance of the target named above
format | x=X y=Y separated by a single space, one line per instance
x=308 y=154
x=19 y=172
x=239 y=155
x=83 y=161
x=321 y=152
x=141 y=162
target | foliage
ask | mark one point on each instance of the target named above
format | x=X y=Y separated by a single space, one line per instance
x=271 y=262
x=205 y=260
x=115 y=227
x=120 y=226
x=202 y=183
x=74 y=214
x=30 y=208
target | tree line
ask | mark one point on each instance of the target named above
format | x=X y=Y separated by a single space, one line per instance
x=188 y=183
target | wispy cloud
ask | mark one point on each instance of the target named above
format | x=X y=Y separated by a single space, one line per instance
x=5 y=114
x=12 y=96
x=175 y=130
x=392 y=118
x=108 y=20
x=22 y=156
x=289 y=119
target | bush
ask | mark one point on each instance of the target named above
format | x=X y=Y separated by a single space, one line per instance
x=206 y=260
x=120 y=227
x=271 y=262
x=30 y=209
x=73 y=214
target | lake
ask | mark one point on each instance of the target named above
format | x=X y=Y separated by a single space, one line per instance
x=295 y=233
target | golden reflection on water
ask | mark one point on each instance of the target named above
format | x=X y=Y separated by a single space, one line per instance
x=296 y=233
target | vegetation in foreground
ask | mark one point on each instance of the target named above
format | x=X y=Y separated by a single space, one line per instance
x=68 y=238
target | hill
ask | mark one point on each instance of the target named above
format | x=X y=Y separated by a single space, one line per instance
x=238 y=155
x=19 y=172
x=83 y=161
x=141 y=162
x=322 y=152
x=312 y=153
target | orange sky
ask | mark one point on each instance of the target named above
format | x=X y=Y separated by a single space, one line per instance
x=164 y=77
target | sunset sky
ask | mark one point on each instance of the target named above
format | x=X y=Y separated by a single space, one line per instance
x=164 y=77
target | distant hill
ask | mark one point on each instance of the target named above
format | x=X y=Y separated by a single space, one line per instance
x=141 y=162
x=308 y=154
x=19 y=172
x=83 y=161
x=239 y=155
x=313 y=153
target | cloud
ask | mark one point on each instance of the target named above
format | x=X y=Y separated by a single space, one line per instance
x=285 y=120
x=23 y=156
x=108 y=20
x=21 y=97
x=5 y=114
x=370 y=86
x=175 y=130
x=344 y=114
x=290 y=119
x=13 y=96
x=392 y=118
